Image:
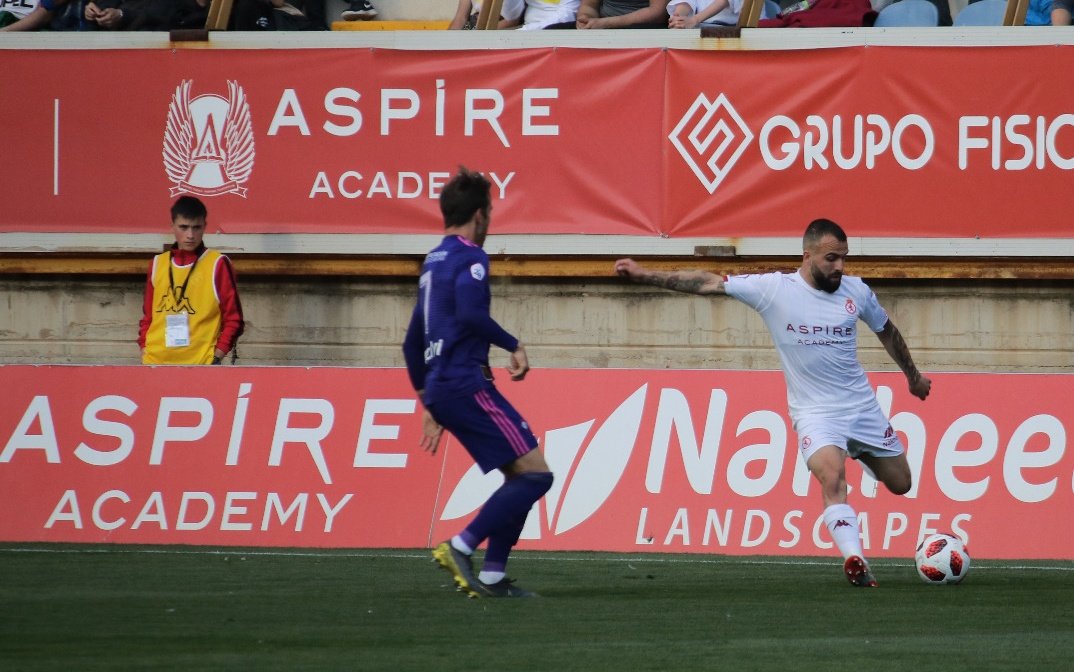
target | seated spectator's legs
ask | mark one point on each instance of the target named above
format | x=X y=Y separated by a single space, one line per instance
x=252 y=15
x=679 y=12
x=466 y=14
x=360 y=10
x=1062 y=10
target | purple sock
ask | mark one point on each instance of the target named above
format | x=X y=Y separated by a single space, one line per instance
x=500 y=544
x=504 y=514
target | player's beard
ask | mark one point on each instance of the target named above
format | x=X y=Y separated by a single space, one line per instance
x=481 y=230
x=827 y=283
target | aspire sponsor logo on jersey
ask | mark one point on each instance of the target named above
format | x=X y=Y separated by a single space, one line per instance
x=208 y=142
x=820 y=329
x=711 y=137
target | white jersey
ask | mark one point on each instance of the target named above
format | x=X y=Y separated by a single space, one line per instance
x=541 y=13
x=815 y=334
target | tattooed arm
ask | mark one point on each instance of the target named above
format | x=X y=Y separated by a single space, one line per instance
x=900 y=353
x=691 y=282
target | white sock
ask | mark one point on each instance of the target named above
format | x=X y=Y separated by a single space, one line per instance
x=489 y=578
x=459 y=545
x=842 y=523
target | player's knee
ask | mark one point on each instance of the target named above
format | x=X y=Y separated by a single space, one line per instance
x=542 y=480
x=899 y=485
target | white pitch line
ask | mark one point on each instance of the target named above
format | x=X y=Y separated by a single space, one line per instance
x=566 y=556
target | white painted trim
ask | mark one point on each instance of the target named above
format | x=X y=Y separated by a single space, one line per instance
x=427 y=40
x=531 y=245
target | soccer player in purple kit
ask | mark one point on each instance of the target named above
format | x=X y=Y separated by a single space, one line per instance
x=447 y=357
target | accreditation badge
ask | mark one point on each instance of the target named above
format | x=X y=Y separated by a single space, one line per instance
x=177 y=331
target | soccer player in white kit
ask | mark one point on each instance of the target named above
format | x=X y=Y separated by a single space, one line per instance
x=812 y=315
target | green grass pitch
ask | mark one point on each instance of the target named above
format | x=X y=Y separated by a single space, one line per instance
x=86 y=608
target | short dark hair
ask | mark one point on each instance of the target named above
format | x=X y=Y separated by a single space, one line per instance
x=819 y=228
x=188 y=207
x=466 y=193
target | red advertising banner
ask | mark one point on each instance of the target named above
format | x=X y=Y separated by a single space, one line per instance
x=332 y=141
x=894 y=141
x=660 y=461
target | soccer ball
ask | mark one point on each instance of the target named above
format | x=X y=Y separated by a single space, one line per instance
x=942 y=558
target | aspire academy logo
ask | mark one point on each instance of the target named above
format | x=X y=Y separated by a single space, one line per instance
x=208 y=142
x=711 y=137
x=586 y=473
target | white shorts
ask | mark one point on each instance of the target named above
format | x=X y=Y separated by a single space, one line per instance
x=866 y=432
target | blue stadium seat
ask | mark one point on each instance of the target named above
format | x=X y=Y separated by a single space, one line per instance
x=905 y=13
x=982 y=13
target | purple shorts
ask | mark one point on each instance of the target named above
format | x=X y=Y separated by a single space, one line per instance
x=486 y=424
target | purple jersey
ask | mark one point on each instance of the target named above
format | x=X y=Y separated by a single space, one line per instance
x=447 y=342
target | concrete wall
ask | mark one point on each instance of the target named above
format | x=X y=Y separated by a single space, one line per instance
x=950 y=326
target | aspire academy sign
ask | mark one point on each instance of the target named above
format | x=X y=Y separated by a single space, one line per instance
x=671 y=461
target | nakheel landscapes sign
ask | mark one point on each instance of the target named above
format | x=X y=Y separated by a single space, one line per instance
x=669 y=461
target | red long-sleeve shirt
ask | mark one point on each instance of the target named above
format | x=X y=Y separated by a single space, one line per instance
x=231 y=320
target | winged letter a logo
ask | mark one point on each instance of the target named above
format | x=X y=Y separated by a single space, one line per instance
x=208 y=142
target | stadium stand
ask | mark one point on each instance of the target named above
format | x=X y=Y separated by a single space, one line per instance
x=985 y=13
x=908 y=13
x=390 y=25
x=219 y=14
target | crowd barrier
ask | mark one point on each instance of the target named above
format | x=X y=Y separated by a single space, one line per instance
x=658 y=145
x=645 y=461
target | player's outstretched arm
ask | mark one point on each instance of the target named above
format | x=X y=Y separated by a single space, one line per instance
x=691 y=282
x=893 y=342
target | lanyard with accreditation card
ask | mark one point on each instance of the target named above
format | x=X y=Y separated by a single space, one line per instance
x=177 y=325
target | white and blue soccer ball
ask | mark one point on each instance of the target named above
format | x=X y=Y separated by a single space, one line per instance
x=942 y=558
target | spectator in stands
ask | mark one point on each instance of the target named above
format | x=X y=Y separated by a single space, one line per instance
x=466 y=14
x=49 y=15
x=541 y=14
x=693 y=13
x=1062 y=12
x=279 y=15
x=832 y=13
x=191 y=312
x=1039 y=13
x=525 y=14
x=105 y=15
x=622 y=14
x=359 y=10
x=146 y=15
x=10 y=12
